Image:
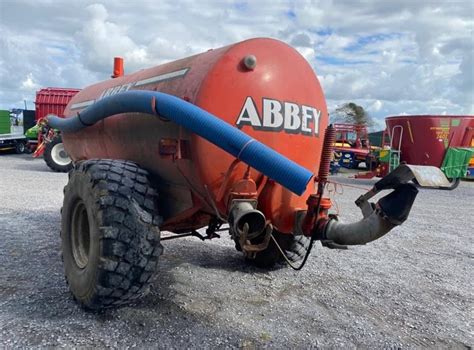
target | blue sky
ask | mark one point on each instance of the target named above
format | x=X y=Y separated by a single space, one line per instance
x=391 y=57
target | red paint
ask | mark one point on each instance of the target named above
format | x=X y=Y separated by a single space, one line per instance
x=216 y=82
x=430 y=136
x=118 y=67
x=359 y=146
x=53 y=100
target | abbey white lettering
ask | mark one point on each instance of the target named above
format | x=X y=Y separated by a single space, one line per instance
x=276 y=116
x=115 y=90
x=272 y=116
x=249 y=115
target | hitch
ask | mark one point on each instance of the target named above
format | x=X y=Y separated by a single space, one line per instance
x=46 y=134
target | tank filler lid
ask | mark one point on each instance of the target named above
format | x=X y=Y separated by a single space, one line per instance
x=118 y=68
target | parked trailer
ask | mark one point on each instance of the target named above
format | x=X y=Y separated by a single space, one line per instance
x=51 y=100
x=442 y=141
x=234 y=136
x=11 y=134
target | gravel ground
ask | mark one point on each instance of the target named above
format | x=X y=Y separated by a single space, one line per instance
x=411 y=289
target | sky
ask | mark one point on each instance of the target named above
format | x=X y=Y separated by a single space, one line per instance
x=391 y=57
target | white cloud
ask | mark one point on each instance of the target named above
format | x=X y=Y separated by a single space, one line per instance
x=376 y=106
x=391 y=57
x=29 y=83
x=100 y=40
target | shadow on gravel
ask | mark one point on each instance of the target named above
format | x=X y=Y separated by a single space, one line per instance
x=209 y=256
x=37 y=308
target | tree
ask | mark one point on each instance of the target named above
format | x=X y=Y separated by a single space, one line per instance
x=352 y=113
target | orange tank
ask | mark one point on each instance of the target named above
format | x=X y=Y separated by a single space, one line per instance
x=262 y=86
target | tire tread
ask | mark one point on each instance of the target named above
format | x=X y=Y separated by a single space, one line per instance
x=130 y=243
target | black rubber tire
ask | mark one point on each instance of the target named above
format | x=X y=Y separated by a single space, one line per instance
x=294 y=246
x=117 y=207
x=48 y=158
x=20 y=147
x=371 y=163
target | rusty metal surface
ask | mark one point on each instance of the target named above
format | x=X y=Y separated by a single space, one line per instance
x=248 y=248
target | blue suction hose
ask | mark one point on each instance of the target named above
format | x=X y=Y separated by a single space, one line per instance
x=227 y=137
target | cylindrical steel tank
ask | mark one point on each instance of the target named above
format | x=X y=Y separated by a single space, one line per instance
x=424 y=139
x=275 y=97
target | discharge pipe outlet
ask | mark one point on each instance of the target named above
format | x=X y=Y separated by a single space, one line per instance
x=389 y=212
x=243 y=212
x=222 y=134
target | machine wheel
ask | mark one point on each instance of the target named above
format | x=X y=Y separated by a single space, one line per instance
x=56 y=157
x=20 y=147
x=371 y=163
x=109 y=232
x=348 y=160
x=294 y=246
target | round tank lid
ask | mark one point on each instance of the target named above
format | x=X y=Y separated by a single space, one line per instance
x=250 y=62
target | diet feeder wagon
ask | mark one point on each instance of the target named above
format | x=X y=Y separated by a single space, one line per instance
x=237 y=136
x=443 y=141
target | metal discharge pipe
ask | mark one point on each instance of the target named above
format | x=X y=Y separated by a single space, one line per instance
x=242 y=213
x=389 y=212
x=259 y=156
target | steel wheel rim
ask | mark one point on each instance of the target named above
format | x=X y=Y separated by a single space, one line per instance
x=80 y=235
x=59 y=155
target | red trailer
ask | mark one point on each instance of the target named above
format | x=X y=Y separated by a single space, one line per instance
x=432 y=140
x=53 y=100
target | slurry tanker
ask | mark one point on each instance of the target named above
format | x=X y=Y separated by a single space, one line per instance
x=234 y=139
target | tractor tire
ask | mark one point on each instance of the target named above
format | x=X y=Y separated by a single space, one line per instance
x=109 y=233
x=294 y=246
x=20 y=147
x=56 y=157
x=371 y=163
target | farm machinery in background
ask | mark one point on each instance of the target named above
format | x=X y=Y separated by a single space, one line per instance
x=12 y=128
x=352 y=147
x=43 y=140
x=445 y=142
